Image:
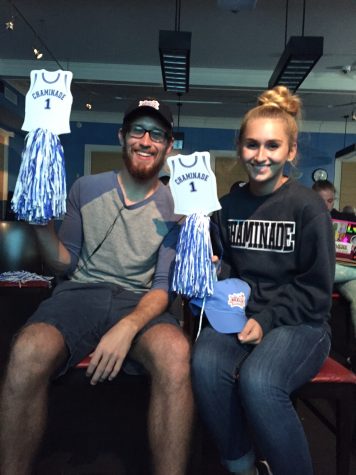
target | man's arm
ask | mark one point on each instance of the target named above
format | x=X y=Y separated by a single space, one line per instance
x=62 y=252
x=107 y=359
x=54 y=252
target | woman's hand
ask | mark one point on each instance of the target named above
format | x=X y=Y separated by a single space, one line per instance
x=251 y=333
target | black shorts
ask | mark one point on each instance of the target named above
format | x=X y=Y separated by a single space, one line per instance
x=83 y=313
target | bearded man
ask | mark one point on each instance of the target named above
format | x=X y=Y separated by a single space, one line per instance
x=115 y=249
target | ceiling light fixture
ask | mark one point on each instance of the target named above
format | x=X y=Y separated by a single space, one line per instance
x=38 y=39
x=174 y=53
x=10 y=24
x=235 y=6
x=348 y=152
x=178 y=143
x=89 y=106
x=300 y=55
x=37 y=53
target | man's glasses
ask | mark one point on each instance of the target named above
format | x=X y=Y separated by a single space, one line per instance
x=156 y=135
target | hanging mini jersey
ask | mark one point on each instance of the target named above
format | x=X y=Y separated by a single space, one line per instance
x=193 y=184
x=49 y=101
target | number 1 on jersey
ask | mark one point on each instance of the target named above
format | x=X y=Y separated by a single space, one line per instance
x=192 y=186
x=47 y=104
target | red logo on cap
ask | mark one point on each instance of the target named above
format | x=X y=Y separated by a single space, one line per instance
x=237 y=300
x=148 y=103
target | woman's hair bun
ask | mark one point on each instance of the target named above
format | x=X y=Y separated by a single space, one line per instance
x=282 y=97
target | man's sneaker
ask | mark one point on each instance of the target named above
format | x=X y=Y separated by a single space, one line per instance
x=263 y=468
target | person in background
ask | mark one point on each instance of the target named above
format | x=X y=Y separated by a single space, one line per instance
x=349 y=209
x=276 y=236
x=115 y=249
x=327 y=191
x=345 y=276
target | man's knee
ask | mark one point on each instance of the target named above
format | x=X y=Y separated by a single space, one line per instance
x=36 y=351
x=165 y=353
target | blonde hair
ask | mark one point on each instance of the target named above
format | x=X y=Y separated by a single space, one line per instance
x=277 y=103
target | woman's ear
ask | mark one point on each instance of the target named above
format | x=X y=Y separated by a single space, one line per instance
x=121 y=137
x=238 y=152
x=292 y=152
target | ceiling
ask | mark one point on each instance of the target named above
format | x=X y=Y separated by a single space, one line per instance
x=111 y=46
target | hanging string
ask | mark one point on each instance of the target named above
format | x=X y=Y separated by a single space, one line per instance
x=286 y=23
x=177 y=15
x=346 y=117
x=43 y=43
x=37 y=36
x=179 y=105
x=303 y=24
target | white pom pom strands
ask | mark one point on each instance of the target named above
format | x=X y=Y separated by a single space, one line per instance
x=194 y=270
x=40 y=191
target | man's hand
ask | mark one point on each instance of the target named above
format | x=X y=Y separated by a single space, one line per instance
x=112 y=349
x=107 y=359
x=252 y=332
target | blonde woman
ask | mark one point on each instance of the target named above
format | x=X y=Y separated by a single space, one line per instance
x=277 y=236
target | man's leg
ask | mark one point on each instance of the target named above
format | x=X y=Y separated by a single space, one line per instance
x=165 y=352
x=36 y=354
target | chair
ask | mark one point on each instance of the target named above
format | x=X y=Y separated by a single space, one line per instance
x=337 y=384
x=343 y=332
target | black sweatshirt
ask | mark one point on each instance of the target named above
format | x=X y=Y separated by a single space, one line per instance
x=282 y=244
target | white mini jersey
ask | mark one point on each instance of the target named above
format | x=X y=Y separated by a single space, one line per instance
x=49 y=101
x=193 y=184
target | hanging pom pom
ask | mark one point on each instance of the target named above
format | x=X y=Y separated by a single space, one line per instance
x=194 y=270
x=40 y=191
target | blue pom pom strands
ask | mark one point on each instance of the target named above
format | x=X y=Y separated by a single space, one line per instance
x=40 y=192
x=194 y=270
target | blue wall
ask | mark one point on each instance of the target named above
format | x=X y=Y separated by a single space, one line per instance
x=74 y=144
x=315 y=149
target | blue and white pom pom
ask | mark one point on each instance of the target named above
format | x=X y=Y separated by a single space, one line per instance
x=194 y=270
x=40 y=192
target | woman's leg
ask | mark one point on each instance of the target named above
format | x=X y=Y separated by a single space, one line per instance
x=286 y=358
x=216 y=358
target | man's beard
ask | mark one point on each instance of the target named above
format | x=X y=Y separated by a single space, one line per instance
x=142 y=172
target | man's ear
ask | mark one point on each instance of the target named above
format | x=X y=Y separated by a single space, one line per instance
x=121 y=137
x=170 y=145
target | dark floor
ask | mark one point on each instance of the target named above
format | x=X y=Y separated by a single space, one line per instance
x=93 y=431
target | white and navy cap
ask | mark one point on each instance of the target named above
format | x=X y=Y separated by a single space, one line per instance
x=225 y=309
x=153 y=106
